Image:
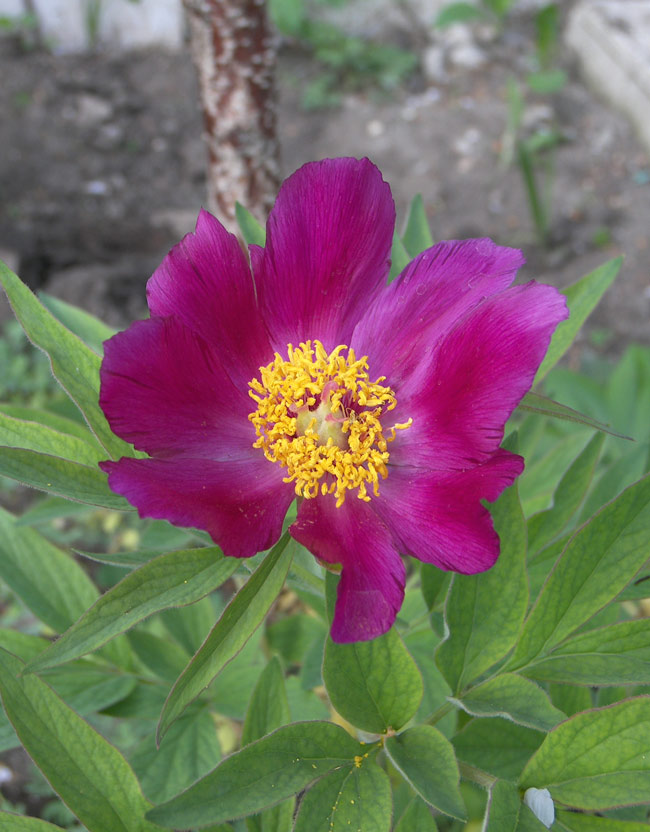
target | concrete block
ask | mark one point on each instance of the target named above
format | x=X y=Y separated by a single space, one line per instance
x=11 y=8
x=120 y=24
x=612 y=42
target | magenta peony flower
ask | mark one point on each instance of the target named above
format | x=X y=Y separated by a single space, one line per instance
x=381 y=407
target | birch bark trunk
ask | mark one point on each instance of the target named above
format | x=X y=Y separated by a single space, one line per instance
x=234 y=54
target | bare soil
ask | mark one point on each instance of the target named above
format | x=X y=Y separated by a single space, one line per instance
x=102 y=168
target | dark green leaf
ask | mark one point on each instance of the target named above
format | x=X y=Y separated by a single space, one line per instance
x=251 y=230
x=427 y=760
x=598 y=759
x=417 y=236
x=190 y=625
x=416 y=817
x=239 y=621
x=172 y=579
x=582 y=297
x=262 y=774
x=497 y=746
x=268 y=708
x=291 y=637
x=189 y=751
x=75 y=366
x=515 y=698
x=569 y=494
x=484 y=612
x=88 y=773
x=596 y=565
x=356 y=798
x=161 y=657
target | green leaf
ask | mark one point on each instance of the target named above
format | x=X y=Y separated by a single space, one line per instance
x=512 y=697
x=356 y=798
x=239 y=621
x=434 y=583
x=417 y=236
x=547 y=81
x=251 y=230
x=416 y=816
x=571 y=699
x=172 y=579
x=534 y=403
x=190 y=625
x=268 y=708
x=616 y=655
x=189 y=751
x=291 y=637
x=375 y=685
x=288 y=16
x=399 y=258
x=19 y=823
x=507 y=813
x=262 y=774
x=575 y=822
x=569 y=494
x=52 y=508
x=75 y=366
x=52 y=420
x=87 y=689
x=599 y=561
x=497 y=746
x=90 y=329
x=126 y=559
x=48 y=581
x=482 y=631
x=458 y=13
x=582 y=297
x=33 y=436
x=598 y=759
x=161 y=657
x=60 y=476
x=89 y=774
x=427 y=761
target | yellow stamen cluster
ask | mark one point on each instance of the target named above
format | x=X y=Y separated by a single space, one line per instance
x=319 y=416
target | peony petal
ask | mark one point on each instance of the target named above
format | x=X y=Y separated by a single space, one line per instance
x=327 y=251
x=475 y=378
x=206 y=282
x=434 y=292
x=439 y=519
x=164 y=389
x=240 y=504
x=371 y=589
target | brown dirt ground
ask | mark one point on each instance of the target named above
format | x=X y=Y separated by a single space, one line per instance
x=102 y=161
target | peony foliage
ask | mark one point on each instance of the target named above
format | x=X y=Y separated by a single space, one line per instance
x=377 y=580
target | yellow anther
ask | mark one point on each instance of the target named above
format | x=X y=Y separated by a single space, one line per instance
x=319 y=416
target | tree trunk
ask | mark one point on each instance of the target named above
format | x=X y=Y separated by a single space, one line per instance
x=234 y=54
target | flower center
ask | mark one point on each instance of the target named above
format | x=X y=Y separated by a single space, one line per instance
x=319 y=416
